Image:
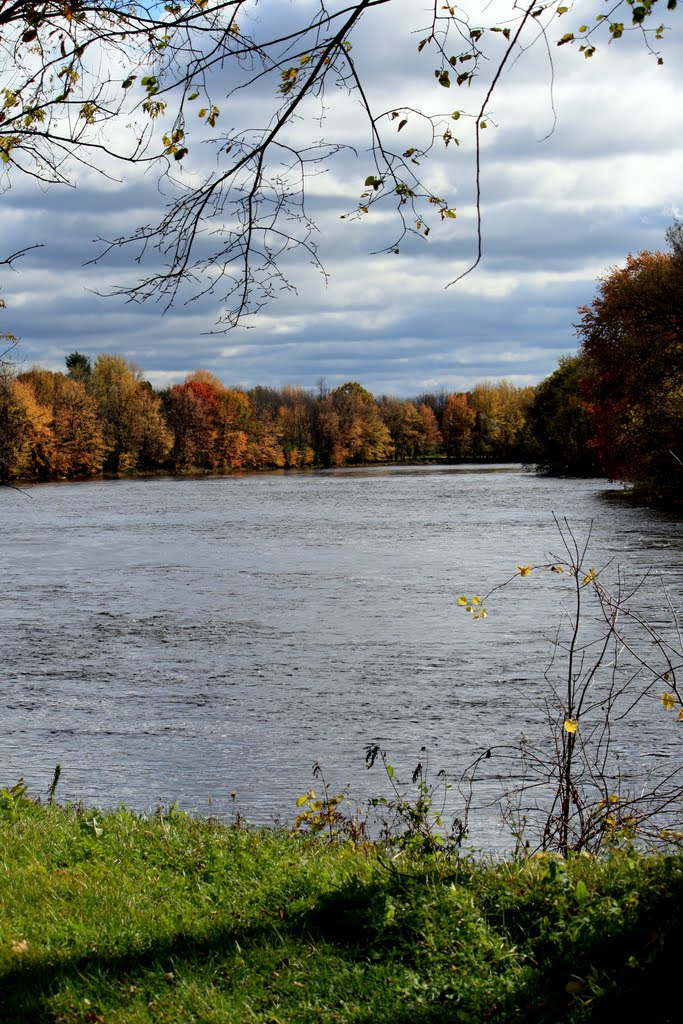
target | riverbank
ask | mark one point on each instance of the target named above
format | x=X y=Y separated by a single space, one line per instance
x=126 y=919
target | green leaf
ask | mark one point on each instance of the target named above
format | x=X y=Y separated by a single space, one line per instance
x=390 y=771
x=580 y=892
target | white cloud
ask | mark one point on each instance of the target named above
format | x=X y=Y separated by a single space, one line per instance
x=556 y=214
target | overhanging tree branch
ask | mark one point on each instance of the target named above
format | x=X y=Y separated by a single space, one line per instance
x=69 y=71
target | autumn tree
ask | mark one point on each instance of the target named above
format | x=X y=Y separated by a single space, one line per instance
x=294 y=426
x=561 y=421
x=78 y=447
x=432 y=439
x=405 y=426
x=187 y=416
x=134 y=432
x=26 y=437
x=357 y=433
x=632 y=332
x=459 y=420
x=501 y=416
x=144 y=83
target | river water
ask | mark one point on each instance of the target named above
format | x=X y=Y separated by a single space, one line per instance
x=179 y=640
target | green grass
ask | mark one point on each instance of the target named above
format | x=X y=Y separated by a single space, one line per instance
x=125 y=919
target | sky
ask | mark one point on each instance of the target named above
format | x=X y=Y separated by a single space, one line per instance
x=582 y=163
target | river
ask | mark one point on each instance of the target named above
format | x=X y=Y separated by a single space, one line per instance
x=181 y=640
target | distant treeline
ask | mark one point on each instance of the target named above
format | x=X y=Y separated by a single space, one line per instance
x=615 y=409
x=105 y=418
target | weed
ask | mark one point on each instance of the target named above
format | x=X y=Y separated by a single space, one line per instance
x=415 y=823
x=607 y=662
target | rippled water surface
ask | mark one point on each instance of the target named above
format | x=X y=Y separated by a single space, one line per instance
x=178 y=639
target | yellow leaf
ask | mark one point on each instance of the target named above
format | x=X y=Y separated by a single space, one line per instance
x=556 y=568
x=476 y=600
x=668 y=701
x=571 y=725
x=590 y=576
x=462 y=600
x=524 y=570
x=680 y=714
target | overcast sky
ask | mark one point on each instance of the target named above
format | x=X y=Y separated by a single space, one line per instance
x=557 y=212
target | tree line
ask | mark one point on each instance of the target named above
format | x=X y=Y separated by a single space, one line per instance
x=104 y=418
x=615 y=409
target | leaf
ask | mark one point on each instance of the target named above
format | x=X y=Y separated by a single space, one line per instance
x=668 y=701
x=402 y=124
x=580 y=892
x=524 y=570
x=462 y=600
x=570 y=725
x=390 y=771
x=455 y=116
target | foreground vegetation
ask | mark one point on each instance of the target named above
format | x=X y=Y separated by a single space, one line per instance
x=117 y=918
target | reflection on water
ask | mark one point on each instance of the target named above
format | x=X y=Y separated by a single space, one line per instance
x=175 y=640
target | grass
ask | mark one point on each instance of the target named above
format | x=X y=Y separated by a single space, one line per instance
x=125 y=919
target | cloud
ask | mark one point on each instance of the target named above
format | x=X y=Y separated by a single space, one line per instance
x=556 y=214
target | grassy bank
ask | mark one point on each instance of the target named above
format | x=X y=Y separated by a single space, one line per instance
x=124 y=919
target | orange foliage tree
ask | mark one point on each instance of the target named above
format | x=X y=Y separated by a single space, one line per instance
x=633 y=334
